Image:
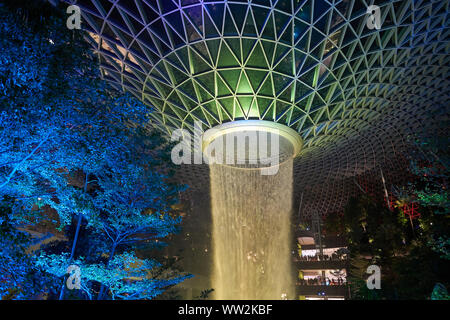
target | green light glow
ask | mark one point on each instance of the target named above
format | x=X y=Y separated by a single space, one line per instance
x=254 y=125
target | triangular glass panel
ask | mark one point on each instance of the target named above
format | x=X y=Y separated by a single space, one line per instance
x=226 y=58
x=257 y=59
x=256 y=77
x=231 y=77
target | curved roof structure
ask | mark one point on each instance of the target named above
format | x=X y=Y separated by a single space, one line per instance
x=353 y=92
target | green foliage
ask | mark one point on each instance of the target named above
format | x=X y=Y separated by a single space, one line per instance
x=430 y=161
x=413 y=253
x=372 y=229
x=442 y=246
x=440 y=292
x=379 y=236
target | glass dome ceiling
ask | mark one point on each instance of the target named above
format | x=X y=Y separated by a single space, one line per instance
x=352 y=93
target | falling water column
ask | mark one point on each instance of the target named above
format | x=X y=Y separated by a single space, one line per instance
x=251 y=232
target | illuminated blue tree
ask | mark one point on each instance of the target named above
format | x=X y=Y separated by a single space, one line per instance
x=127 y=276
x=19 y=277
x=64 y=132
x=131 y=207
x=134 y=208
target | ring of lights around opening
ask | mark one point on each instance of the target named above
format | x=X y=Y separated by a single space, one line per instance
x=282 y=131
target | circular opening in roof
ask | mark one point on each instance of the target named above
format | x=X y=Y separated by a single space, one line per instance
x=250 y=144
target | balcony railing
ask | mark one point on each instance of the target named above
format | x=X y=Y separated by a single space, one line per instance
x=321 y=265
x=322 y=291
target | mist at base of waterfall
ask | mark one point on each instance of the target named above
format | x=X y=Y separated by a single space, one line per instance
x=251 y=233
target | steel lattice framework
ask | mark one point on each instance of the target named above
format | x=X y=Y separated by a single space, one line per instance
x=353 y=93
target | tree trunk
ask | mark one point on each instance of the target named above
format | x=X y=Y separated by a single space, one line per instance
x=75 y=239
x=412 y=225
x=103 y=287
x=72 y=253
